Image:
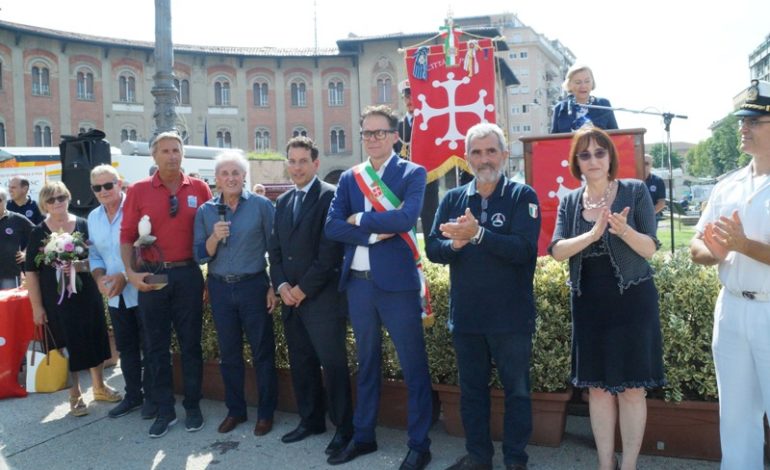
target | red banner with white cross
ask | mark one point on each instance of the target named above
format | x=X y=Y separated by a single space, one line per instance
x=449 y=99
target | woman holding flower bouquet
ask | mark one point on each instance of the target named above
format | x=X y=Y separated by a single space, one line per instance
x=65 y=296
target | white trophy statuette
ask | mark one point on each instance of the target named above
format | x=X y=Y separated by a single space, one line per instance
x=145 y=228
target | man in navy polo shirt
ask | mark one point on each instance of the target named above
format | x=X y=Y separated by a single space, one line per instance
x=20 y=202
x=14 y=232
x=486 y=231
x=656 y=186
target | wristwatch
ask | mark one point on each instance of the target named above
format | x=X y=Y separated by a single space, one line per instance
x=476 y=239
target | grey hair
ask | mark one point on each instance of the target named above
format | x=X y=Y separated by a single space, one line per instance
x=173 y=135
x=484 y=129
x=105 y=169
x=231 y=156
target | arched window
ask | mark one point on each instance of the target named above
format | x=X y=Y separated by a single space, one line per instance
x=224 y=139
x=42 y=135
x=262 y=140
x=182 y=92
x=298 y=94
x=337 y=140
x=2 y=134
x=85 y=85
x=259 y=90
x=127 y=134
x=299 y=131
x=40 y=81
x=127 y=88
x=335 y=93
x=384 y=85
x=222 y=93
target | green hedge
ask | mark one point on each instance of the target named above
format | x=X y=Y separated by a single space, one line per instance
x=687 y=295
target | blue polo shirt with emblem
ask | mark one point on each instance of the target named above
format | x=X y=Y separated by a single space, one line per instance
x=14 y=235
x=491 y=282
x=29 y=210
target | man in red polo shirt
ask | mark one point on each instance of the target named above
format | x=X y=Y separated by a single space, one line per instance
x=170 y=199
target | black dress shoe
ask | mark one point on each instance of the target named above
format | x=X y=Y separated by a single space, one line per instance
x=351 y=451
x=301 y=432
x=338 y=442
x=415 y=460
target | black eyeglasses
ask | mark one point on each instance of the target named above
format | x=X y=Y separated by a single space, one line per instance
x=174 y=205
x=59 y=198
x=377 y=134
x=97 y=188
x=586 y=155
x=484 y=206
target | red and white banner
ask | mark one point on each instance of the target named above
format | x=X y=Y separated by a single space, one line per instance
x=448 y=100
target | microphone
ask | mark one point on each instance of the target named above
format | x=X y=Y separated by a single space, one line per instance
x=222 y=210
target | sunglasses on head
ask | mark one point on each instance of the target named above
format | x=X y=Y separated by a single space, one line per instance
x=586 y=155
x=173 y=205
x=107 y=186
x=59 y=198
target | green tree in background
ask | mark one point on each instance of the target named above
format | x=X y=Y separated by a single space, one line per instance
x=659 y=154
x=719 y=153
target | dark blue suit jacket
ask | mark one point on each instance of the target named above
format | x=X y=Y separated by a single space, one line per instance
x=392 y=265
x=601 y=118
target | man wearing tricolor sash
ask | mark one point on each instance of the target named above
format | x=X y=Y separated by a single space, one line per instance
x=374 y=211
x=486 y=231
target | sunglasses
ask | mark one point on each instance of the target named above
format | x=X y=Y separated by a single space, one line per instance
x=107 y=186
x=174 y=205
x=586 y=155
x=59 y=198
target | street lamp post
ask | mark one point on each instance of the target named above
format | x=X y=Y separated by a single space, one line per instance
x=164 y=91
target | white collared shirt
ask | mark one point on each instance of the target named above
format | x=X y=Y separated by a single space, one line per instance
x=361 y=256
x=750 y=196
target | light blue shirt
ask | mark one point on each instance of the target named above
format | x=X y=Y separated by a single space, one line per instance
x=104 y=250
x=250 y=228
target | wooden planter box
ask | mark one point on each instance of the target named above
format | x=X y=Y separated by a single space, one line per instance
x=549 y=414
x=214 y=389
x=394 y=398
x=688 y=429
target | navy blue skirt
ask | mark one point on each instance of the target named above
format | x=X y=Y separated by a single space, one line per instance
x=616 y=338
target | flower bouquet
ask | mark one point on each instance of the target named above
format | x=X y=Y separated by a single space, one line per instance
x=63 y=250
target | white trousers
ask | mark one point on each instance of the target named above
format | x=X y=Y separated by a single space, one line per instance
x=741 y=346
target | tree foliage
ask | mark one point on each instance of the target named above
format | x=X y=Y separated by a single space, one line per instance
x=659 y=154
x=719 y=153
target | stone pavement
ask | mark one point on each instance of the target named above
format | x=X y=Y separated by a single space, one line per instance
x=37 y=433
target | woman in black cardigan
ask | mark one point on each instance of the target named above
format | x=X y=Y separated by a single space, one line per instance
x=607 y=231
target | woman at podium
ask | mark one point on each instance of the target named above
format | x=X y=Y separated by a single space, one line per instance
x=571 y=113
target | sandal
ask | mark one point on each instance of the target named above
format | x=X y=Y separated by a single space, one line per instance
x=107 y=394
x=78 y=407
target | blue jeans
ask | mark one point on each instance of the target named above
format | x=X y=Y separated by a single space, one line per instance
x=132 y=346
x=239 y=308
x=179 y=304
x=511 y=355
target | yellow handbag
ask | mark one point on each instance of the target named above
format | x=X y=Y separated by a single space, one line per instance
x=47 y=367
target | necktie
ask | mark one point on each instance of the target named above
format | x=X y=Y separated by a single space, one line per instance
x=297 y=205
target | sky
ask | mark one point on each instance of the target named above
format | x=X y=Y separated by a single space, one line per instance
x=684 y=57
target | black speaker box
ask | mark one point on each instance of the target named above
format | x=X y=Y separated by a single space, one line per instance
x=79 y=155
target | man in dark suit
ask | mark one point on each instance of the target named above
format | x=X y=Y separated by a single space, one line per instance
x=382 y=281
x=304 y=268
